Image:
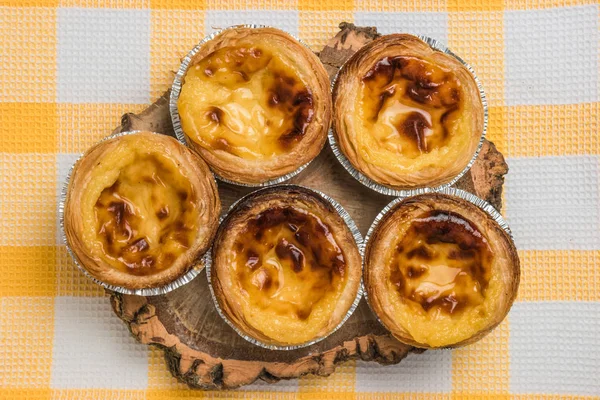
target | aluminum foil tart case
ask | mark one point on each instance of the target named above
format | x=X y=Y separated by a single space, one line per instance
x=365 y=180
x=471 y=198
x=176 y=91
x=177 y=283
x=359 y=242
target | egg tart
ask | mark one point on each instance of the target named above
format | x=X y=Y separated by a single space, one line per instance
x=407 y=115
x=286 y=269
x=255 y=104
x=140 y=209
x=440 y=271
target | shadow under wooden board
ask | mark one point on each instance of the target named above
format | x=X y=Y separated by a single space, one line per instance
x=202 y=350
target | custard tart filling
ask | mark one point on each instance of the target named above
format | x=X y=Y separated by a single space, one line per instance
x=439 y=271
x=146 y=218
x=410 y=108
x=247 y=101
x=140 y=210
x=255 y=104
x=287 y=261
x=286 y=268
x=407 y=115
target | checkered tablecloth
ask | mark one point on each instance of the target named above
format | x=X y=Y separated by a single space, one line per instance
x=70 y=68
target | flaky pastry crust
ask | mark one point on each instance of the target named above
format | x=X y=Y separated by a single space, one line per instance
x=286 y=269
x=406 y=115
x=440 y=272
x=140 y=210
x=255 y=104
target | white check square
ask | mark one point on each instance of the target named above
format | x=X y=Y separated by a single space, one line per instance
x=428 y=372
x=432 y=24
x=553 y=203
x=552 y=55
x=93 y=348
x=555 y=348
x=103 y=55
x=285 y=20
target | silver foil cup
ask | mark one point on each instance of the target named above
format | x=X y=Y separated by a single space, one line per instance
x=471 y=198
x=378 y=187
x=176 y=91
x=359 y=242
x=182 y=280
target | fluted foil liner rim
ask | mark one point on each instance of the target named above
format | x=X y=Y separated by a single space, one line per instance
x=359 y=243
x=463 y=194
x=389 y=191
x=156 y=291
x=176 y=91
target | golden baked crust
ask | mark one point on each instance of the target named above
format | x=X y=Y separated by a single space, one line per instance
x=406 y=115
x=255 y=104
x=286 y=268
x=440 y=272
x=140 y=209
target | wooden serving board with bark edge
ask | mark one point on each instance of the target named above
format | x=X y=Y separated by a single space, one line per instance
x=203 y=351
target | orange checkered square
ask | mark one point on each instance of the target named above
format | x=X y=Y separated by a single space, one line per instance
x=28 y=127
x=26 y=332
x=481 y=368
x=82 y=125
x=475 y=5
x=159 y=376
x=497 y=128
x=174 y=34
x=553 y=130
x=70 y=281
x=189 y=5
x=403 y=396
x=325 y=5
x=27 y=271
x=29 y=3
x=28 y=48
x=560 y=275
x=477 y=38
x=543 y=4
x=27 y=199
x=28 y=394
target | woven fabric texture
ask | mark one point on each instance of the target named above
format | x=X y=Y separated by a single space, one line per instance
x=70 y=68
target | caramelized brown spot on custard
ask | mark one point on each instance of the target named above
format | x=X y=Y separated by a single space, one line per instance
x=443 y=263
x=288 y=251
x=146 y=218
x=414 y=128
x=291 y=263
x=292 y=98
x=221 y=144
x=138 y=246
x=163 y=212
x=183 y=195
x=215 y=114
x=415 y=98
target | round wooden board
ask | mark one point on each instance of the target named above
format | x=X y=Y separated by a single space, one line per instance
x=202 y=350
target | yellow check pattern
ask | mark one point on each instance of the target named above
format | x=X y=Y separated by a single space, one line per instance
x=70 y=68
